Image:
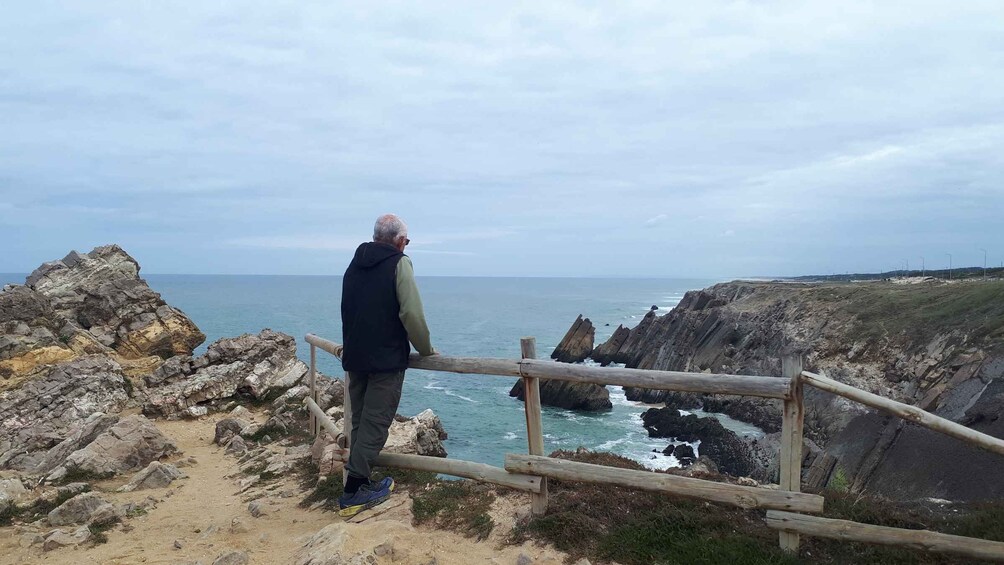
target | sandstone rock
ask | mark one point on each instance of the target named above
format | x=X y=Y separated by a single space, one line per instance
x=102 y=293
x=130 y=444
x=241 y=413
x=565 y=394
x=46 y=410
x=155 y=475
x=577 y=343
x=104 y=515
x=232 y=558
x=77 y=510
x=32 y=335
x=252 y=366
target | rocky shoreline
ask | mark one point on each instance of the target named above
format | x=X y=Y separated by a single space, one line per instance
x=919 y=344
x=93 y=362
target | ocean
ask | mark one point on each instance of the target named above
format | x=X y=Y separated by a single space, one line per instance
x=467 y=316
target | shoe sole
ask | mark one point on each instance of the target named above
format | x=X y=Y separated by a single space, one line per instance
x=350 y=511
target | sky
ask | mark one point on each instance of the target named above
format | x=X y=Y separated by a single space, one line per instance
x=663 y=139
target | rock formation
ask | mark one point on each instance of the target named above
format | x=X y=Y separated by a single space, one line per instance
x=103 y=294
x=252 y=366
x=573 y=348
x=43 y=412
x=577 y=343
x=918 y=344
x=569 y=395
x=723 y=446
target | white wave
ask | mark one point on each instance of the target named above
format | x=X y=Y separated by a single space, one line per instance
x=610 y=444
x=449 y=392
x=432 y=386
x=509 y=436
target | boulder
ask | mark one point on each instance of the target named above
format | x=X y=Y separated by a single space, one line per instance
x=723 y=446
x=325 y=547
x=565 y=394
x=131 y=444
x=57 y=539
x=77 y=510
x=48 y=409
x=577 y=344
x=92 y=427
x=252 y=366
x=227 y=428
x=102 y=293
x=155 y=475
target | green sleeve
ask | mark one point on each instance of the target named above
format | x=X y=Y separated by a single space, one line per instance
x=412 y=314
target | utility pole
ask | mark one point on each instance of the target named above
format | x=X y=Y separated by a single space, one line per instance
x=923 y=270
x=949 y=265
x=984 y=264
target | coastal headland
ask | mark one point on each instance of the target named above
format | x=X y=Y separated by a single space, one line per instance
x=119 y=444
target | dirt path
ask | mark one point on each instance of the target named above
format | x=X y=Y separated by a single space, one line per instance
x=207 y=516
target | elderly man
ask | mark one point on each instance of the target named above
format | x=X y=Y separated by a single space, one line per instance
x=381 y=313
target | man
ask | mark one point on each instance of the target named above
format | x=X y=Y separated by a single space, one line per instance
x=381 y=313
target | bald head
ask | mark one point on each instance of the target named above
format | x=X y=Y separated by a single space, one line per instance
x=391 y=230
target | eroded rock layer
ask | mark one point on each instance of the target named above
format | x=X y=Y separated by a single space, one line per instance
x=934 y=345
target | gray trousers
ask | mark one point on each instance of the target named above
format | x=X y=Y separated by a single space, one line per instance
x=374 y=398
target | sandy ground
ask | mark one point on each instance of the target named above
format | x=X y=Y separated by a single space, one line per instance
x=207 y=516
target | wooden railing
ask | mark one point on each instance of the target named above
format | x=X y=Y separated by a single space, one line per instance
x=783 y=503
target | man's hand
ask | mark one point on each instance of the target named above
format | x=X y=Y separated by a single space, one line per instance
x=434 y=352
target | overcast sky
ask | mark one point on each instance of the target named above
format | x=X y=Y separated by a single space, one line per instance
x=691 y=139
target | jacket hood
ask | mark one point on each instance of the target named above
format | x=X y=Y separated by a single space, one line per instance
x=371 y=254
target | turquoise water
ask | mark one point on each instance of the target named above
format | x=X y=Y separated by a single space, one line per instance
x=468 y=316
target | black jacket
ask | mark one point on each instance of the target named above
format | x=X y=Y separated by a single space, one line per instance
x=374 y=338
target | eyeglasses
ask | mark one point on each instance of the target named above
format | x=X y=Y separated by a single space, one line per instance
x=407 y=241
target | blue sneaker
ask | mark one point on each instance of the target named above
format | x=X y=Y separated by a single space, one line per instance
x=366 y=497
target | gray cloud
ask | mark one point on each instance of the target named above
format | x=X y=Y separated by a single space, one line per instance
x=641 y=138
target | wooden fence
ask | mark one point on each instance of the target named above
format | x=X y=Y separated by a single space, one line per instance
x=530 y=472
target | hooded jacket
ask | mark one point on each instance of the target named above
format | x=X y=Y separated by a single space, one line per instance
x=381 y=311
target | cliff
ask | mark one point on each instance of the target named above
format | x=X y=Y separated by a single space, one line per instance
x=935 y=345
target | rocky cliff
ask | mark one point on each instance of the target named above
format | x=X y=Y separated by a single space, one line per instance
x=938 y=346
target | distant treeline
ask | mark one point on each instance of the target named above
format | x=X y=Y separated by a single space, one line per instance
x=968 y=273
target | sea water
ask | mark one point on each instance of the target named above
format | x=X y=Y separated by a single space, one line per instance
x=467 y=316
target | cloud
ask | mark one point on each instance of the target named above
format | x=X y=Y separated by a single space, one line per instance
x=550 y=136
x=656 y=220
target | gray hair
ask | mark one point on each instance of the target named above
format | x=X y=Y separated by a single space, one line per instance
x=389 y=229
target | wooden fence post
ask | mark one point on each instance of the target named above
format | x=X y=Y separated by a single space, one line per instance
x=534 y=427
x=315 y=427
x=791 y=440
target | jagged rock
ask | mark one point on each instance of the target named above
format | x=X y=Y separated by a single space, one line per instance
x=241 y=413
x=227 y=428
x=565 y=394
x=577 y=343
x=669 y=449
x=132 y=443
x=236 y=446
x=232 y=558
x=249 y=365
x=721 y=445
x=684 y=452
x=155 y=475
x=421 y=435
x=77 y=510
x=103 y=293
x=32 y=335
x=92 y=427
x=58 y=538
x=46 y=410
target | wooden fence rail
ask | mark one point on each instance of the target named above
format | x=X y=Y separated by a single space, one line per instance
x=907 y=412
x=529 y=472
x=855 y=531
